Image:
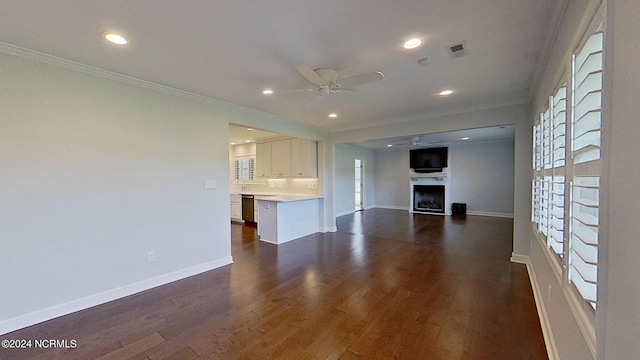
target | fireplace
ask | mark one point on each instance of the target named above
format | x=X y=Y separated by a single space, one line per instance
x=428 y=198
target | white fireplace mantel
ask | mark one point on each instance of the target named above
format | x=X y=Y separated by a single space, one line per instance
x=433 y=175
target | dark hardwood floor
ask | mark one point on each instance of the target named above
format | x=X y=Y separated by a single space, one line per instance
x=387 y=285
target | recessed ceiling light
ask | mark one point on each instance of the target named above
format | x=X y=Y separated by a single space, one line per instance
x=115 y=38
x=445 y=92
x=333 y=115
x=465 y=138
x=390 y=145
x=248 y=141
x=233 y=143
x=267 y=92
x=412 y=44
x=249 y=129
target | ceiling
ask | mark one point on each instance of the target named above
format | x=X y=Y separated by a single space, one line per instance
x=480 y=135
x=239 y=134
x=232 y=50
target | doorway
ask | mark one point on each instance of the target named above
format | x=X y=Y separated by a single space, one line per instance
x=359 y=184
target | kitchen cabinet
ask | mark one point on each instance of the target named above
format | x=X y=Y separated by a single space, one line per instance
x=236 y=207
x=283 y=220
x=255 y=211
x=304 y=158
x=263 y=159
x=288 y=158
x=281 y=158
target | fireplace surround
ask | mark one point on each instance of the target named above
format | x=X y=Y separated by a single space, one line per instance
x=429 y=198
x=436 y=200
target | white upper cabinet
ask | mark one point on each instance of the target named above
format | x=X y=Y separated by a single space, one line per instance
x=304 y=158
x=281 y=158
x=287 y=158
x=263 y=159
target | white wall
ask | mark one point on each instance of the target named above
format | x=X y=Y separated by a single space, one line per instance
x=391 y=179
x=619 y=325
x=345 y=178
x=97 y=171
x=481 y=175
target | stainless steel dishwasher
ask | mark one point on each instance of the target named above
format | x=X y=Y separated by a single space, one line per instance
x=247 y=208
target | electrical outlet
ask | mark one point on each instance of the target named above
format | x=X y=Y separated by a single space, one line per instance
x=549 y=293
x=151 y=256
x=272 y=184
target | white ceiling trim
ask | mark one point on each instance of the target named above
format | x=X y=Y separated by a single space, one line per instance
x=547 y=46
x=59 y=62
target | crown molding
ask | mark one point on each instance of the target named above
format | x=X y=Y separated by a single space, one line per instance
x=59 y=62
x=547 y=47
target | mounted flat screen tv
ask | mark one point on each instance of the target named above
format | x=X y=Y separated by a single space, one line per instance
x=428 y=160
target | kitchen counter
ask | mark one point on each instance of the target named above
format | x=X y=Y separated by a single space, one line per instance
x=287 y=217
x=279 y=197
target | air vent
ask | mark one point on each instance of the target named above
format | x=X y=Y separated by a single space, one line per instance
x=458 y=50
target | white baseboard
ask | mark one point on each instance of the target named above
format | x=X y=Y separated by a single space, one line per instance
x=328 y=229
x=268 y=241
x=343 y=213
x=489 y=213
x=552 y=350
x=55 y=311
x=520 y=259
x=405 y=208
x=476 y=213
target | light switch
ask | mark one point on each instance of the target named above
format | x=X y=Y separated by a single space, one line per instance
x=209 y=184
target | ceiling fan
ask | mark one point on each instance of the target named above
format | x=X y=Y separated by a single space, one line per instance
x=326 y=81
x=413 y=142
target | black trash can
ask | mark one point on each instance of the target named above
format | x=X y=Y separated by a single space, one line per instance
x=458 y=209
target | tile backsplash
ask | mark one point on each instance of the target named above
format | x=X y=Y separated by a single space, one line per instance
x=282 y=186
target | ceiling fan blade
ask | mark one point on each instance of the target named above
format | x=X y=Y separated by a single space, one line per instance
x=295 y=91
x=361 y=79
x=309 y=74
x=350 y=91
x=315 y=101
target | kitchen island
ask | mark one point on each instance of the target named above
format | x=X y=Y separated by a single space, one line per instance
x=285 y=217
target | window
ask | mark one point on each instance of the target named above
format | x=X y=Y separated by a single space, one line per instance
x=245 y=169
x=587 y=104
x=585 y=152
x=549 y=156
x=565 y=191
x=583 y=243
x=559 y=116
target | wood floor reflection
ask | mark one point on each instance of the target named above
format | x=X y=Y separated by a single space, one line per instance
x=387 y=285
